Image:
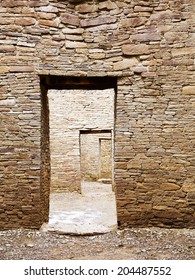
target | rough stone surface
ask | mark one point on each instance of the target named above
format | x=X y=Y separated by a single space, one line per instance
x=189 y=90
x=154 y=106
x=135 y=50
x=125 y=64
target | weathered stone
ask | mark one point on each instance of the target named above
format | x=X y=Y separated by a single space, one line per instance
x=7 y=48
x=86 y=8
x=168 y=213
x=133 y=22
x=103 y=27
x=13 y=3
x=74 y=37
x=3 y=10
x=97 y=55
x=191 y=198
x=110 y=5
x=144 y=37
x=73 y=45
x=50 y=23
x=125 y=63
x=79 y=59
x=162 y=15
x=5 y=20
x=140 y=8
x=72 y=30
x=157 y=207
x=47 y=15
x=135 y=50
x=134 y=163
x=139 y=69
x=189 y=185
x=21 y=68
x=8 y=102
x=183 y=51
x=189 y=90
x=4 y=69
x=48 y=9
x=25 y=21
x=70 y=19
x=97 y=21
x=170 y=187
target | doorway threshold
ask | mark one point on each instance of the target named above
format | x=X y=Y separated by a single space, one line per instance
x=91 y=212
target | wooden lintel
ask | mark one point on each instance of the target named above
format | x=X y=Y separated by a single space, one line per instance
x=71 y=82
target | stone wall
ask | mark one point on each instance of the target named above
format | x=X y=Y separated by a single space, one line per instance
x=70 y=112
x=149 y=46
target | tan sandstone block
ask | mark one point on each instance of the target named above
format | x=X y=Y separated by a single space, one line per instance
x=48 y=9
x=189 y=90
x=7 y=48
x=160 y=207
x=86 y=8
x=73 y=45
x=97 y=55
x=25 y=21
x=97 y=21
x=70 y=19
x=135 y=50
x=108 y=5
x=51 y=23
x=4 y=69
x=133 y=22
x=183 y=51
x=125 y=63
x=21 y=68
x=189 y=185
x=67 y=30
x=170 y=187
x=46 y=15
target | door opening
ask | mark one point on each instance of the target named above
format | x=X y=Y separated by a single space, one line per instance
x=96 y=156
x=81 y=128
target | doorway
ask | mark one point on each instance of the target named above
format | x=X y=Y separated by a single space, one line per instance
x=96 y=155
x=80 y=116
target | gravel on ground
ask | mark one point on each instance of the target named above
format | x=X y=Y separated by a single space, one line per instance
x=129 y=243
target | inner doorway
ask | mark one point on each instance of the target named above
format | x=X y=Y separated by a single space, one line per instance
x=81 y=130
x=96 y=155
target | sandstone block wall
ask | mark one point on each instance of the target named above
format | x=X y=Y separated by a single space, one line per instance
x=149 y=46
x=72 y=111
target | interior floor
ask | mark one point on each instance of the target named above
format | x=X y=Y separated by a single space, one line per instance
x=92 y=211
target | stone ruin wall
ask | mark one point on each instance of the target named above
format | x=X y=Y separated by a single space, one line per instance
x=72 y=111
x=149 y=46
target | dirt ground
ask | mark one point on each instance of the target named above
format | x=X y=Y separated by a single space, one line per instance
x=133 y=243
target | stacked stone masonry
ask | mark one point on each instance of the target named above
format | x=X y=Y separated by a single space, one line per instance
x=149 y=47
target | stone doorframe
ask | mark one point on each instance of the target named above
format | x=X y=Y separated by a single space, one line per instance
x=62 y=82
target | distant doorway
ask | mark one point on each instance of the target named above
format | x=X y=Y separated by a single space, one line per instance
x=96 y=149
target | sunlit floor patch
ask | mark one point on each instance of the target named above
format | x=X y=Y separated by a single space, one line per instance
x=93 y=211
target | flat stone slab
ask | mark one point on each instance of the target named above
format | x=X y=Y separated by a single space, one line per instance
x=92 y=212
